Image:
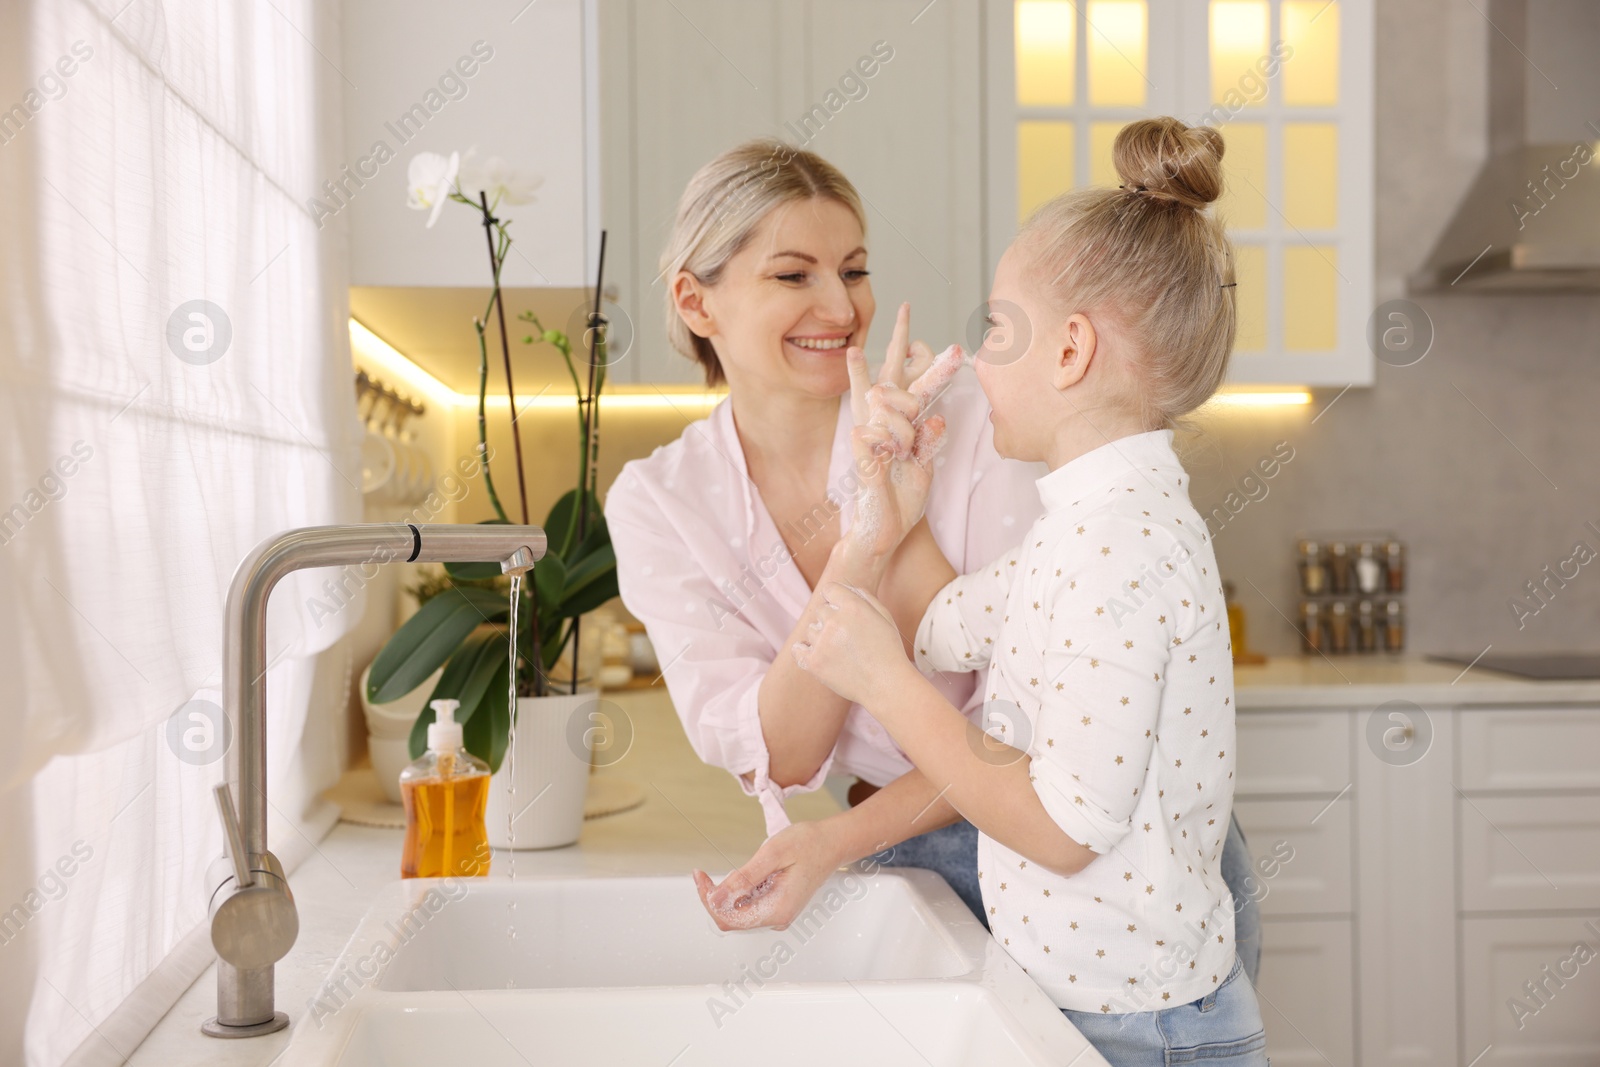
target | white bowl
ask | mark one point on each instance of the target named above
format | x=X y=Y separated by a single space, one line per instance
x=395 y=719
x=389 y=757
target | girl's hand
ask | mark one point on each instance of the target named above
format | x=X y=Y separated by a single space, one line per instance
x=894 y=445
x=776 y=884
x=852 y=647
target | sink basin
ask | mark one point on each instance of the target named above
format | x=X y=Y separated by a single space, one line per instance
x=887 y=969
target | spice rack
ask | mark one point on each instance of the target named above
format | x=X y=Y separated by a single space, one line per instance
x=1352 y=594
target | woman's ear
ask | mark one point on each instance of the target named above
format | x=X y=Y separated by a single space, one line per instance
x=1076 y=353
x=688 y=297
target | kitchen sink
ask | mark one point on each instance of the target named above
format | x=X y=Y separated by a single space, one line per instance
x=887 y=969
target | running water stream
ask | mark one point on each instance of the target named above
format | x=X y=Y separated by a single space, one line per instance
x=511 y=770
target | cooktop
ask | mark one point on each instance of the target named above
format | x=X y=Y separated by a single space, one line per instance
x=1545 y=666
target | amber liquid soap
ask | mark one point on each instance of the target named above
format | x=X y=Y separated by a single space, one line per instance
x=446 y=796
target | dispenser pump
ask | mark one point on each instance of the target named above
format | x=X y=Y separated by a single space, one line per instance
x=444 y=733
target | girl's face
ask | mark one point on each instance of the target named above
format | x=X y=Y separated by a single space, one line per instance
x=1015 y=365
x=792 y=301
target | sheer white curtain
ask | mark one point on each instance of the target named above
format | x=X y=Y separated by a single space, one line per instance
x=175 y=384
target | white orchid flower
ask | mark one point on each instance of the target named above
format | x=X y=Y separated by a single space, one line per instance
x=432 y=179
x=496 y=179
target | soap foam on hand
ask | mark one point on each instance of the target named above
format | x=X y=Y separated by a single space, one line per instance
x=747 y=911
x=931 y=382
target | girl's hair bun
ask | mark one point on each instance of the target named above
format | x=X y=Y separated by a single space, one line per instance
x=1168 y=160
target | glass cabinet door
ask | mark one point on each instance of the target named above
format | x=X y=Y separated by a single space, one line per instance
x=1289 y=84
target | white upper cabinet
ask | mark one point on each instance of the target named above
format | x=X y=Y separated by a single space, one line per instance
x=1288 y=82
x=510 y=78
x=683 y=80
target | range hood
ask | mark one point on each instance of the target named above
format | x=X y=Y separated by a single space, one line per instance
x=1530 y=220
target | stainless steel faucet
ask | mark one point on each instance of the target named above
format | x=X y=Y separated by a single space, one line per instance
x=253 y=918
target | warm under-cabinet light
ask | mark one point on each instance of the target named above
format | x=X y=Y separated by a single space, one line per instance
x=1264 y=399
x=369 y=347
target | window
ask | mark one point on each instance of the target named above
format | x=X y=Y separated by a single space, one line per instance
x=1289 y=83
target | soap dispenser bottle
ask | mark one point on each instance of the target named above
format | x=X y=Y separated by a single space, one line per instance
x=446 y=794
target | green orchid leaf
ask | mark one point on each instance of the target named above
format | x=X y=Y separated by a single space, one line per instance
x=429 y=638
x=550 y=579
x=487 y=732
x=590 y=567
x=592 y=595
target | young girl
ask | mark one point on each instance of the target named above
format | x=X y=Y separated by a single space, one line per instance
x=1104 y=803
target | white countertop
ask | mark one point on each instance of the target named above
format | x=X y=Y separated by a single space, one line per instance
x=1364 y=681
x=695 y=815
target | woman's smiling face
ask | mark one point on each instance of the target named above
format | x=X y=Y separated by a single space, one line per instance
x=793 y=300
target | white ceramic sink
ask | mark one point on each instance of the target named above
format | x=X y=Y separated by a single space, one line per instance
x=886 y=969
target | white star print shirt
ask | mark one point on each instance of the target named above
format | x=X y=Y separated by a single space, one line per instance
x=1110 y=665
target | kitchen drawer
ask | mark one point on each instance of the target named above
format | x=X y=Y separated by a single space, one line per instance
x=1530 y=853
x=1302 y=867
x=1293 y=752
x=1498 y=957
x=1532 y=748
x=1306 y=992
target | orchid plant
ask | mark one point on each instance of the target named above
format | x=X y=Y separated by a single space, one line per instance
x=578 y=572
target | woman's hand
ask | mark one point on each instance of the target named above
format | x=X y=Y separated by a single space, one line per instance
x=894 y=444
x=777 y=883
x=852 y=647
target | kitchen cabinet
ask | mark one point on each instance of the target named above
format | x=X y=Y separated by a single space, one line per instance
x=1427 y=889
x=685 y=80
x=1305 y=992
x=1555 y=1024
x=1288 y=82
x=509 y=78
x=1293 y=802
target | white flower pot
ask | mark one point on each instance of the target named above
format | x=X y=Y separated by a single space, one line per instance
x=551 y=763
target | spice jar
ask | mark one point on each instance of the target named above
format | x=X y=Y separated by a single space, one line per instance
x=1369 y=572
x=1313 y=573
x=1339 y=626
x=1312 y=638
x=1394 y=558
x=1394 y=627
x=1338 y=568
x=1366 y=627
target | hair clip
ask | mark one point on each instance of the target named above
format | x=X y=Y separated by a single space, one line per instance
x=1133 y=188
x=1227 y=285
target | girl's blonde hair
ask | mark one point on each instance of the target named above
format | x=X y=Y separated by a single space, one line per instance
x=1148 y=255
x=718 y=214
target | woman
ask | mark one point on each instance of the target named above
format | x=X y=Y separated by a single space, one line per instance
x=723 y=536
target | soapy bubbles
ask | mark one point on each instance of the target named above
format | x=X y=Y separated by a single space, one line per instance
x=1399 y=733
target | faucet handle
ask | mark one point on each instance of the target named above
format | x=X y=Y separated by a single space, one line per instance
x=243 y=876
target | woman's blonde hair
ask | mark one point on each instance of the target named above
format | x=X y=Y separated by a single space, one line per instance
x=1148 y=255
x=718 y=214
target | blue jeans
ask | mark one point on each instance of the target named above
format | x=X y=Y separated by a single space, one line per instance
x=1236 y=867
x=1221 y=1029
x=951 y=852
